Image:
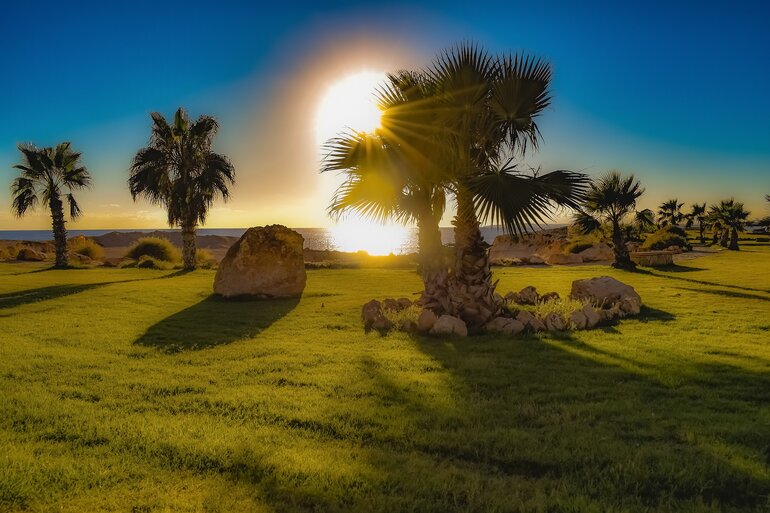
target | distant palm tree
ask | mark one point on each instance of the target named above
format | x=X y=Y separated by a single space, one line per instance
x=731 y=216
x=46 y=173
x=610 y=199
x=179 y=171
x=670 y=213
x=698 y=213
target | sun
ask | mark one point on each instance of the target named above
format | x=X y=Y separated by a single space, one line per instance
x=349 y=105
x=357 y=234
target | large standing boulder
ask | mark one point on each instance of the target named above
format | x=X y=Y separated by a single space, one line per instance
x=265 y=262
x=605 y=292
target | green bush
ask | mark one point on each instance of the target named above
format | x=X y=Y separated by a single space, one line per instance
x=155 y=247
x=664 y=238
x=205 y=259
x=148 y=262
x=87 y=247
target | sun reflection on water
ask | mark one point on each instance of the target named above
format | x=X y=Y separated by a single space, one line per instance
x=374 y=238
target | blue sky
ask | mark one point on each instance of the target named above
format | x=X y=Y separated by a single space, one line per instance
x=674 y=92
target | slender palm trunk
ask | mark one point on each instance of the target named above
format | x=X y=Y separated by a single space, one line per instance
x=472 y=292
x=702 y=236
x=59 y=231
x=622 y=258
x=715 y=237
x=733 y=239
x=724 y=239
x=188 y=246
x=433 y=266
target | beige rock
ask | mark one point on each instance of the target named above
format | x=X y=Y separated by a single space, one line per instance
x=562 y=259
x=554 y=322
x=405 y=302
x=526 y=296
x=504 y=325
x=370 y=312
x=535 y=260
x=448 y=325
x=578 y=320
x=536 y=325
x=592 y=316
x=597 y=253
x=391 y=304
x=525 y=317
x=426 y=320
x=407 y=325
x=549 y=296
x=603 y=291
x=265 y=262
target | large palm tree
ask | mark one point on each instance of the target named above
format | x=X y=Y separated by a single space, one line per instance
x=731 y=215
x=46 y=175
x=670 y=213
x=487 y=108
x=610 y=199
x=698 y=213
x=179 y=171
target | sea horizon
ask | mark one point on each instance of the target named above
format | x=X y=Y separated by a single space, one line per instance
x=317 y=238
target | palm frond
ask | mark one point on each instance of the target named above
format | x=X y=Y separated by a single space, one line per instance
x=585 y=223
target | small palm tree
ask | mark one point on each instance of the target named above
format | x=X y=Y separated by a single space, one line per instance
x=47 y=174
x=670 y=213
x=179 y=171
x=610 y=199
x=698 y=213
x=731 y=216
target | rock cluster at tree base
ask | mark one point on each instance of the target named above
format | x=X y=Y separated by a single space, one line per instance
x=266 y=262
x=604 y=300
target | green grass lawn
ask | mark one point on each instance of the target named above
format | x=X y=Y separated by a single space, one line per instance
x=136 y=390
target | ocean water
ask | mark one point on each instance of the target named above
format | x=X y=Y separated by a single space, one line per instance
x=376 y=240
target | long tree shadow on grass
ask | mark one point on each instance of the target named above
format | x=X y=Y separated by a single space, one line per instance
x=606 y=435
x=214 y=321
x=23 y=297
x=679 y=269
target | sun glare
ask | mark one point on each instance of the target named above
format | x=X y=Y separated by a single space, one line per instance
x=375 y=239
x=349 y=105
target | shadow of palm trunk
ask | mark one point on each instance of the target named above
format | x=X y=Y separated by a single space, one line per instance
x=215 y=321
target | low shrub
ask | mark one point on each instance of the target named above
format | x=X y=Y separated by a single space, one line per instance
x=8 y=252
x=148 y=262
x=155 y=247
x=205 y=259
x=562 y=306
x=664 y=238
x=87 y=247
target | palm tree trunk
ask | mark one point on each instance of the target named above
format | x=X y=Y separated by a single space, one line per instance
x=724 y=237
x=59 y=232
x=188 y=246
x=733 y=239
x=702 y=237
x=472 y=293
x=433 y=266
x=622 y=258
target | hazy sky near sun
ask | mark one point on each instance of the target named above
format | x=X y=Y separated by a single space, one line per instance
x=675 y=92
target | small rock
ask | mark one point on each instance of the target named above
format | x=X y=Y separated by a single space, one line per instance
x=371 y=312
x=578 y=320
x=407 y=325
x=391 y=304
x=592 y=316
x=448 y=325
x=426 y=320
x=526 y=296
x=554 y=322
x=513 y=327
x=535 y=260
x=404 y=302
x=536 y=325
x=630 y=306
x=382 y=324
x=549 y=296
x=524 y=317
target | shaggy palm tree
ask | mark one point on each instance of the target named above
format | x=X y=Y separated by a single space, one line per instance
x=698 y=213
x=731 y=215
x=670 y=213
x=179 y=171
x=610 y=199
x=46 y=175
